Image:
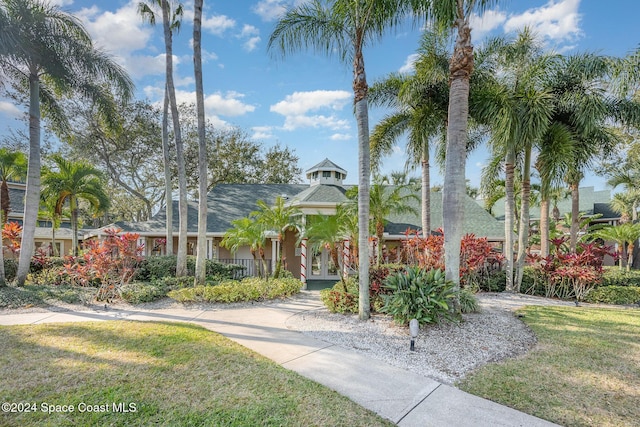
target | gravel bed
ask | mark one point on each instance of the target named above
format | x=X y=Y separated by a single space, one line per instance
x=444 y=352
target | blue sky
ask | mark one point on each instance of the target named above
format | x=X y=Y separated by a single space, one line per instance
x=304 y=101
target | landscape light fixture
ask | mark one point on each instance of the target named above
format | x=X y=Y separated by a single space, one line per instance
x=414 y=327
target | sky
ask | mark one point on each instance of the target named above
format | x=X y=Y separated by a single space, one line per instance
x=304 y=100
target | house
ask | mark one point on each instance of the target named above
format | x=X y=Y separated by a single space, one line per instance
x=44 y=234
x=324 y=192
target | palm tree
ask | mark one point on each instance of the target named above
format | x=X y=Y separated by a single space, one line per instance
x=51 y=53
x=48 y=211
x=278 y=219
x=344 y=28
x=455 y=14
x=71 y=182
x=247 y=232
x=171 y=18
x=201 y=259
x=624 y=233
x=386 y=201
x=420 y=109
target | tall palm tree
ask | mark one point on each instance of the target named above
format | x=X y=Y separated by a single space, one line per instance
x=420 y=109
x=624 y=233
x=13 y=165
x=51 y=53
x=247 y=232
x=171 y=18
x=201 y=258
x=344 y=28
x=455 y=14
x=71 y=182
x=278 y=219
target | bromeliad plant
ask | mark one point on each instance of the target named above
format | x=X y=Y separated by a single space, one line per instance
x=419 y=294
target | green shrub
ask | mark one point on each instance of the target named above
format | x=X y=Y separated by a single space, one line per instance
x=468 y=302
x=338 y=301
x=419 y=294
x=493 y=282
x=170 y=282
x=10 y=269
x=52 y=275
x=614 y=295
x=156 y=267
x=11 y=297
x=613 y=276
x=139 y=292
x=249 y=289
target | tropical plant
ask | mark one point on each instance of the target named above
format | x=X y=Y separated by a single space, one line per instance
x=51 y=53
x=344 y=28
x=13 y=165
x=419 y=294
x=247 y=232
x=277 y=219
x=419 y=103
x=328 y=231
x=71 y=182
x=171 y=13
x=622 y=234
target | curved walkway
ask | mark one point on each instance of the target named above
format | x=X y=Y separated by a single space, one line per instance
x=406 y=399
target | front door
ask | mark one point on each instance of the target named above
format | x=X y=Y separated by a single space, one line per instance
x=321 y=265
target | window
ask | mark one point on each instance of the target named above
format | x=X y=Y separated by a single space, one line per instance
x=314 y=175
x=338 y=175
x=326 y=174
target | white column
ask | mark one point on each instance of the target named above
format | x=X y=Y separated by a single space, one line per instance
x=346 y=258
x=143 y=241
x=274 y=253
x=210 y=249
x=303 y=263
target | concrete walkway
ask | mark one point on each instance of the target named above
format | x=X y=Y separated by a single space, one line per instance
x=393 y=393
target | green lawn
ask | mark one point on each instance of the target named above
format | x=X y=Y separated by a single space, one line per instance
x=585 y=370
x=171 y=374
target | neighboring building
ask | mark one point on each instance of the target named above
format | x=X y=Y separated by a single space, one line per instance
x=324 y=192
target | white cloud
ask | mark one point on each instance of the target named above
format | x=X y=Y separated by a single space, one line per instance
x=340 y=137
x=218 y=24
x=262 y=132
x=410 y=64
x=303 y=102
x=229 y=104
x=295 y=108
x=557 y=20
x=270 y=10
x=301 y=121
x=61 y=3
x=120 y=32
x=251 y=44
x=489 y=21
x=10 y=109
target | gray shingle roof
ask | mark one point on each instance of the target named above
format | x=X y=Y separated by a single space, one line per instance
x=326 y=164
x=228 y=202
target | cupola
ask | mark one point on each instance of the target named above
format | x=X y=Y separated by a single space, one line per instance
x=327 y=173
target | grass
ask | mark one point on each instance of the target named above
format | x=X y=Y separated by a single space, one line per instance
x=583 y=372
x=173 y=374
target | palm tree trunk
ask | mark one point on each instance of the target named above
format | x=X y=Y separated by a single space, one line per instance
x=426 y=193
x=181 y=265
x=544 y=227
x=201 y=259
x=523 y=232
x=361 y=107
x=32 y=193
x=74 y=225
x=168 y=187
x=509 y=209
x=454 y=188
x=575 y=215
